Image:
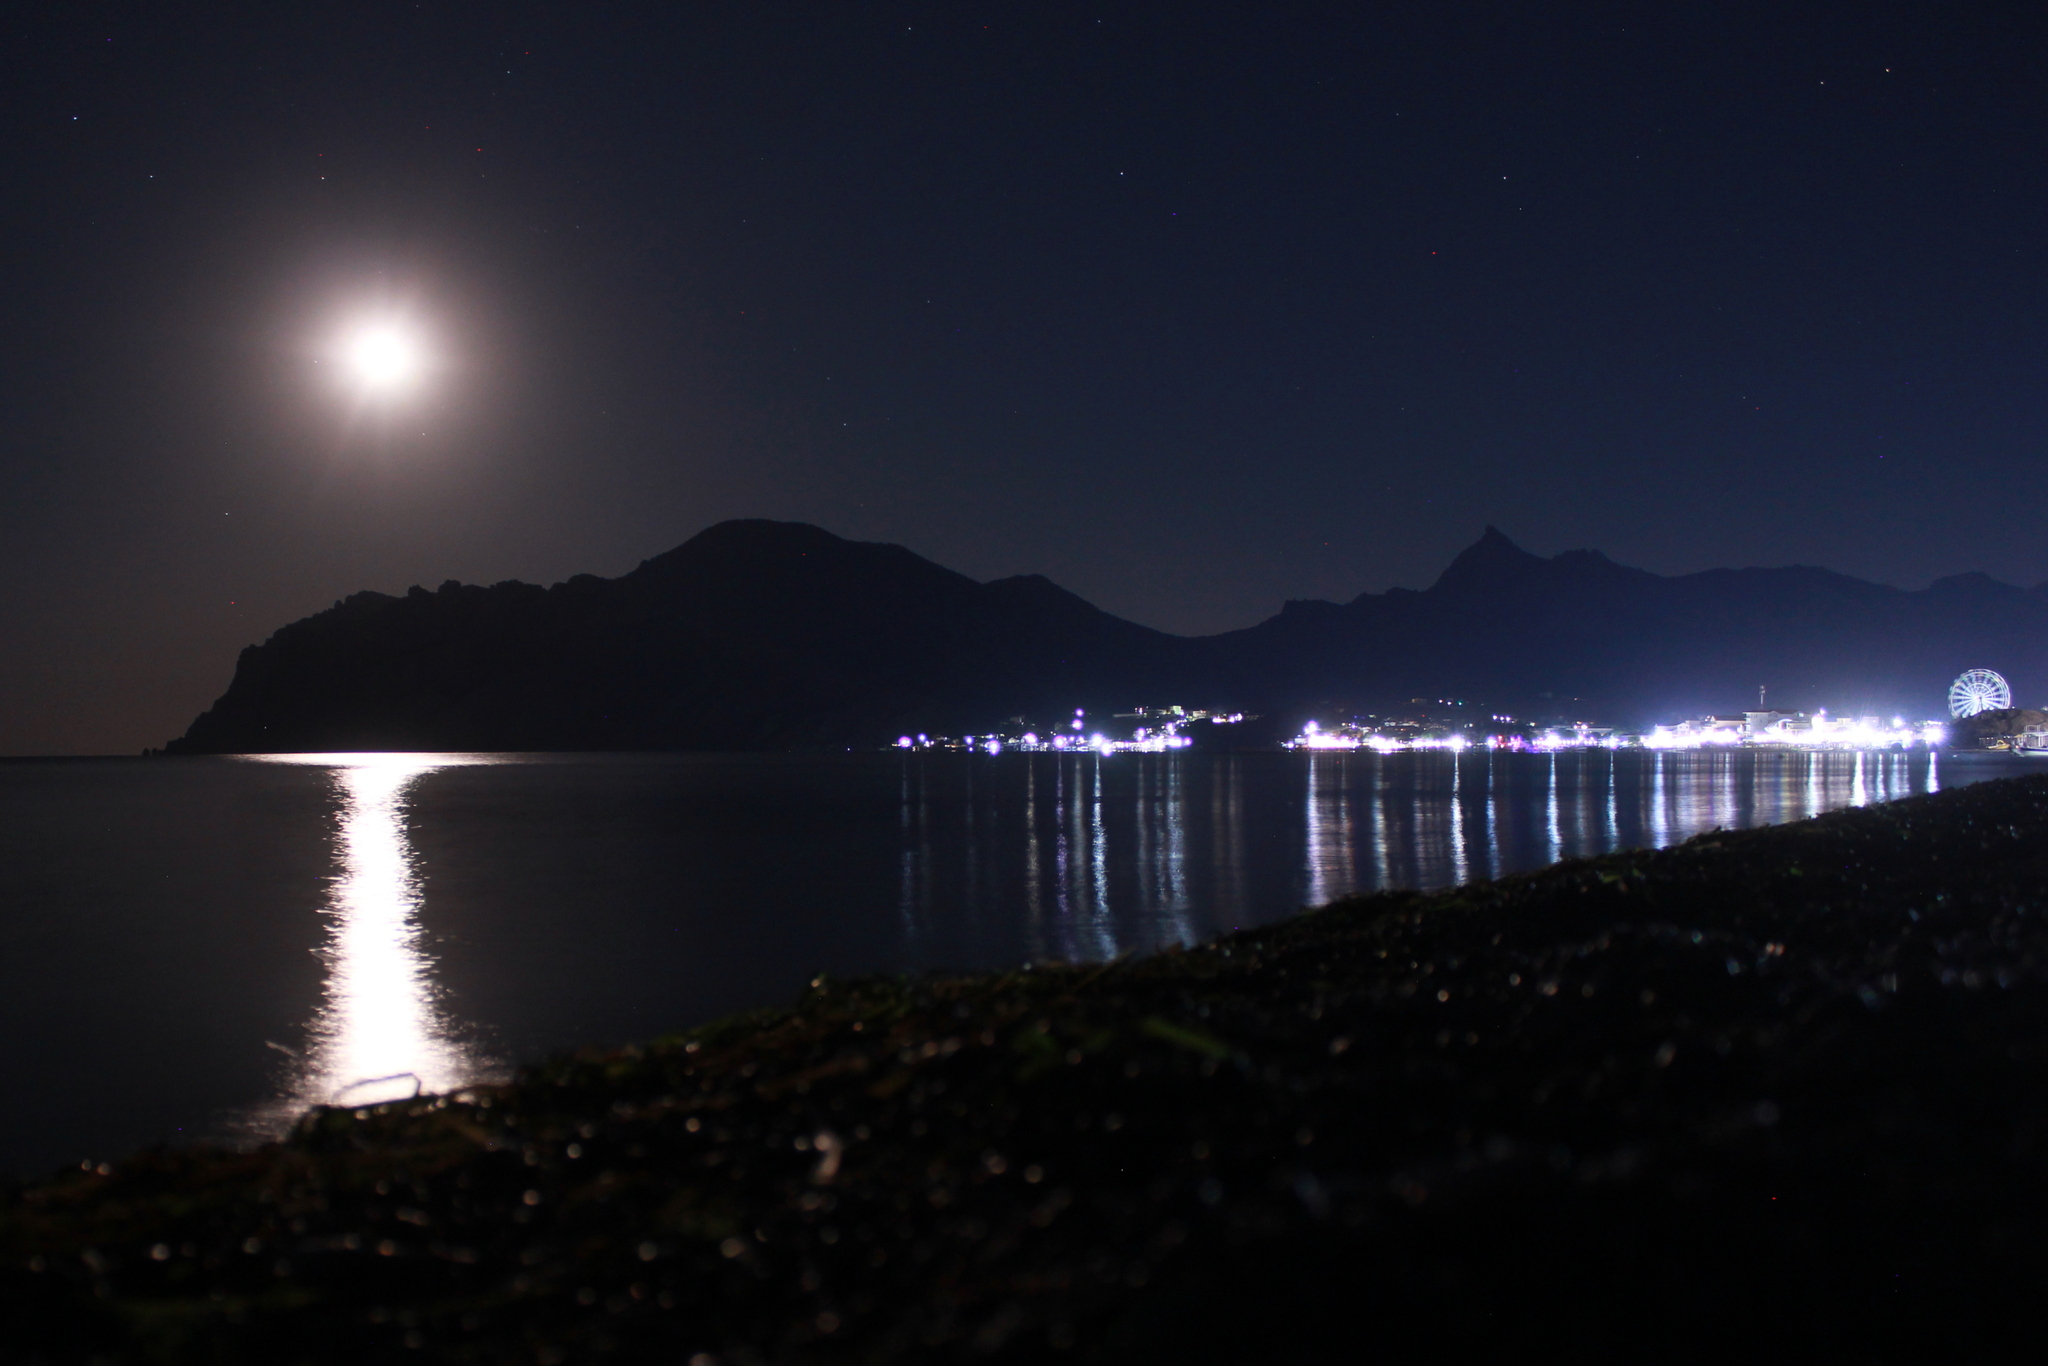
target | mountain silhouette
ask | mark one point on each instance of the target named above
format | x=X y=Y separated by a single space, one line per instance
x=1579 y=634
x=777 y=635
x=753 y=634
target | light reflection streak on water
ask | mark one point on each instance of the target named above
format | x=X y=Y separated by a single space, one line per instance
x=1104 y=929
x=1556 y=834
x=1034 y=887
x=1062 y=868
x=1162 y=844
x=1660 y=831
x=380 y=1032
x=1382 y=846
x=1614 y=812
x=1148 y=860
x=1582 y=807
x=1786 y=791
x=1461 y=864
x=1493 y=868
x=1424 y=838
x=916 y=902
x=381 y=1029
x=1227 y=831
x=1323 y=848
x=1112 y=855
x=1177 y=900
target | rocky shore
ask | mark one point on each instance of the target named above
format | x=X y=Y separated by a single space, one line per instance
x=1768 y=1093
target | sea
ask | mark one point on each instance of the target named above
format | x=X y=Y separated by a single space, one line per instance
x=198 y=949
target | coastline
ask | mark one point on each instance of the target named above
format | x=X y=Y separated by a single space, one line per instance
x=1779 y=1085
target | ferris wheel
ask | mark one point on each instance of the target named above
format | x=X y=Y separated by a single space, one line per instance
x=1978 y=690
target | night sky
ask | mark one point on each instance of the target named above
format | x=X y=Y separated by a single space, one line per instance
x=1193 y=307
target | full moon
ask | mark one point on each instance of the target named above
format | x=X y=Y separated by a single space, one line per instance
x=384 y=358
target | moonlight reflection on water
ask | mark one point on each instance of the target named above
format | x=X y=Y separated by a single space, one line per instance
x=163 y=921
x=1110 y=860
x=380 y=1032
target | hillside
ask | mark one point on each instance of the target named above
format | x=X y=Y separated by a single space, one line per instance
x=751 y=635
x=1507 y=627
x=776 y=635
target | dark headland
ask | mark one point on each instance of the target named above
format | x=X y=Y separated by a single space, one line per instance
x=777 y=635
x=1777 y=1094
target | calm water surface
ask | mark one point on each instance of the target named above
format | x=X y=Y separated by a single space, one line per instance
x=202 y=947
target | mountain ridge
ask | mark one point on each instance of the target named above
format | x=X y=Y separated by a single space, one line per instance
x=759 y=634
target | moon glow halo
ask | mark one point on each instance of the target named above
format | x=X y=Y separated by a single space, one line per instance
x=383 y=358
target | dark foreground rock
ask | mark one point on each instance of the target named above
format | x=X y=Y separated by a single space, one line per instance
x=1768 y=1094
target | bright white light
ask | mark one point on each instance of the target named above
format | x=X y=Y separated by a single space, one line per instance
x=384 y=357
x=1978 y=690
x=381 y=1033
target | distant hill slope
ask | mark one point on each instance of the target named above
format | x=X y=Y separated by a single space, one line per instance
x=1506 y=626
x=751 y=635
x=759 y=634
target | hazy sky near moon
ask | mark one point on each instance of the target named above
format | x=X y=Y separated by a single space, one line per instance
x=1193 y=307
